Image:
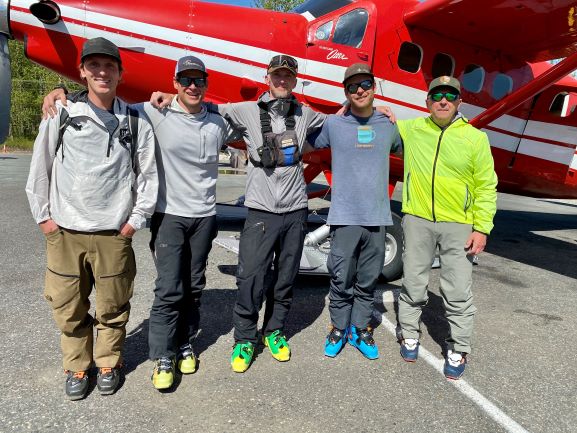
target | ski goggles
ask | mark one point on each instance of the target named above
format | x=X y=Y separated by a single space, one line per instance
x=283 y=62
x=438 y=96
x=187 y=81
x=354 y=87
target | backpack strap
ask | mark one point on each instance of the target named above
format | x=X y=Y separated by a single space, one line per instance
x=289 y=120
x=64 y=122
x=133 y=124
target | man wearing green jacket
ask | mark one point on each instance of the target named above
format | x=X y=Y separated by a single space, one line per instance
x=449 y=201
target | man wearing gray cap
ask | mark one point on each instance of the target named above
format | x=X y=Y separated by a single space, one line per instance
x=92 y=184
x=449 y=201
x=184 y=223
x=360 y=141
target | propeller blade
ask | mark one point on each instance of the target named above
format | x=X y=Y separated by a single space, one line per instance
x=5 y=88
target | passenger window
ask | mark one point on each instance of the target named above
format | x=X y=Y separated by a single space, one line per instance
x=443 y=64
x=410 y=56
x=473 y=78
x=350 y=28
x=563 y=104
x=502 y=85
x=324 y=31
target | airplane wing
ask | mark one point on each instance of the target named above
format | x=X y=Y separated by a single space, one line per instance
x=530 y=30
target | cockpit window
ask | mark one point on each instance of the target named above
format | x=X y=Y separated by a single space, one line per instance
x=323 y=33
x=351 y=28
x=313 y=9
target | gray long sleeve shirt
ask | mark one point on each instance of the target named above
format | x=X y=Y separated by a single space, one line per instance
x=187 y=149
x=281 y=189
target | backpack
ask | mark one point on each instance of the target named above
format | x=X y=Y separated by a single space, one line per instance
x=65 y=121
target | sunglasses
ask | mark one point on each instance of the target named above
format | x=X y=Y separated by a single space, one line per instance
x=283 y=61
x=354 y=87
x=187 y=81
x=450 y=97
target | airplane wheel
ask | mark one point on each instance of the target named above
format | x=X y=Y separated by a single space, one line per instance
x=393 y=267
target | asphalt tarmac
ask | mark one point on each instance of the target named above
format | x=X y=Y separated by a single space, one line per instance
x=521 y=375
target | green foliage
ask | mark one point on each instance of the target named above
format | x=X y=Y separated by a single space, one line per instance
x=23 y=144
x=278 y=5
x=30 y=83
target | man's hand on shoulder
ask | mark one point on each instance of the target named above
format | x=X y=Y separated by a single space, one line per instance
x=49 y=103
x=476 y=243
x=386 y=110
x=161 y=100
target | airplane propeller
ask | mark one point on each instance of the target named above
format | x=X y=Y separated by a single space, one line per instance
x=5 y=88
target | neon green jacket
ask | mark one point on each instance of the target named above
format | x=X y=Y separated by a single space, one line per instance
x=449 y=174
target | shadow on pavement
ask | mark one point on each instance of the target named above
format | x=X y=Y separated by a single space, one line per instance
x=215 y=317
x=308 y=303
x=136 y=347
x=514 y=238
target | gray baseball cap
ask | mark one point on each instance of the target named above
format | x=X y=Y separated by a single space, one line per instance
x=100 y=46
x=357 y=69
x=445 y=81
x=190 y=63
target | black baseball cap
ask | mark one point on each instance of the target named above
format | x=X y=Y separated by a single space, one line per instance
x=189 y=63
x=357 y=69
x=283 y=62
x=100 y=46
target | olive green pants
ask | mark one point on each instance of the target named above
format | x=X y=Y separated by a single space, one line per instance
x=421 y=239
x=78 y=261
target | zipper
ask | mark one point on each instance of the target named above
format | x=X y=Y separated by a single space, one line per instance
x=466 y=199
x=435 y=165
x=63 y=275
x=408 y=186
x=113 y=276
x=433 y=179
x=111 y=134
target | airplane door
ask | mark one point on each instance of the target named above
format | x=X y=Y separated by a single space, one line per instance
x=334 y=42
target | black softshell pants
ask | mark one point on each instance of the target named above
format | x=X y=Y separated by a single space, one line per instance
x=267 y=235
x=181 y=246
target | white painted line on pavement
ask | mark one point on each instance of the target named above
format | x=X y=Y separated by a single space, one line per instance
x=467 y=390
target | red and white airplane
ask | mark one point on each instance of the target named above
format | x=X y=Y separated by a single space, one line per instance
x=497 y=48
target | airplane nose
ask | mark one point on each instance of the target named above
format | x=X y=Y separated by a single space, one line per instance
x=5 y=72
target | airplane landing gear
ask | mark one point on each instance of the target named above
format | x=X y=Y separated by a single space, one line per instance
x=393 y=267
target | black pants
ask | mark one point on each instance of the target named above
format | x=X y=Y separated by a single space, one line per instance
x=267 y=235
x=355 y=263
x=181 y=246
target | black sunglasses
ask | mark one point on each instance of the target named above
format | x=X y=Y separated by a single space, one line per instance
x=187 y=81
x=437 y=97
x=365 y=85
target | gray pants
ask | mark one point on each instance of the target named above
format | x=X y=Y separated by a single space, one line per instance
x=355 y=263
x=421 y=240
